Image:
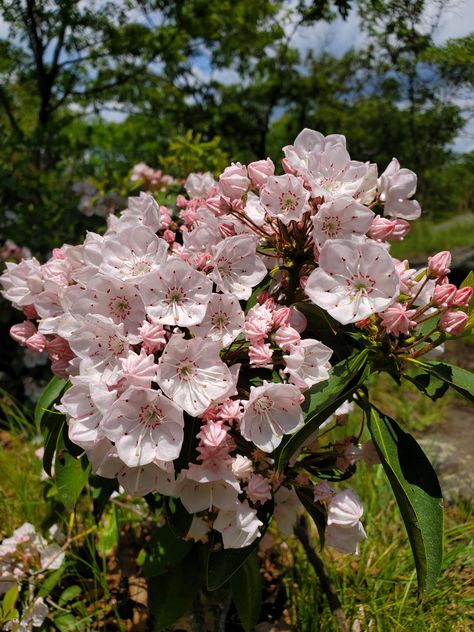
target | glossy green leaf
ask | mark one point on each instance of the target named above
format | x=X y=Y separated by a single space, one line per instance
x=54 y=425
x=69 y=594
x=9 y=601
x=459 y=379
x=246 y=586
x=263 y=285
x=71 y=475
x=51 y=581
x=416 y=488
x=427 y=383
x=178 y=518
x=50 y=394
x=322 y=400
x=172 y=594
x=222 y=564
x=164 y=550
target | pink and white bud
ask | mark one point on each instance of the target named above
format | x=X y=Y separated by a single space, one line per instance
x=36 y=343
x=169 y=236
x=242 y=467
x=396 y=319
x=259 y=488
x=231 y=410
x=58 y=348
x=30 y=311
x=345 y=509
x=260 y=354
x=260 y=170
x=21 y=332
x=217 y=204
x=438 y=265
x=234 y=181
x=285 y=337
x=444 y=294
x=287 y=168
x=462 y=298
x=401 y=230
x=181 y=201
x=153 y=337
x=381 y=228
x=453 y=322
x=281 y=316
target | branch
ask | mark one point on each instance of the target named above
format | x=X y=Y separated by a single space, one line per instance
x=301 y=532
x=5 y=102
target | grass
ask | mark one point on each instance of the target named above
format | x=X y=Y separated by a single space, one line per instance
x=378 y=589
x=428 y=237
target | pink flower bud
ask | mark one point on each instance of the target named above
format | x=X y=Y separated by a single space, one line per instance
x=153 y=337
x=453 y=322
x=323 y=492
x=381 y=228
x=281 y=316
x=36 y=343
x=260 y=354
x=58 y=253
x=21 y=332
x=233 y=181
x=287 y=167
x=444 y=294
x=169 y=236
x=61 y=368
x=285 y=337
x=260 y=170
x=181 y=201
x=401 y=230
x=258 y=488
x=217 y=204
x=439 y=264
x=462 y=298
x=59 y=348
x=262 y=297
x=396 y=319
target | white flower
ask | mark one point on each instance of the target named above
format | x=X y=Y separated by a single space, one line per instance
x=272 y=411
x=191 y=373
x=237 y=268
x=345 y=539
x=395 y=186
x=145 y=425
x=353 y=281
x=308 y=363
x=223 y=322
x=285 y=198
x=341 y=218
x=345 y=509
x=177 y=294
x=239 y=526
x=198 y=185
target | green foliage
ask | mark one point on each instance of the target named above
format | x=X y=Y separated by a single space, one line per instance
x=190 y=153
x=246 y=587
x=71 y=475
x=417 y=491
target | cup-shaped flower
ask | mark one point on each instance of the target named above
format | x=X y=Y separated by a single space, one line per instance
x=176 y=294
x=345 y=509
x=395 y=187
x=285 y=198
x=237 y=268
x=341 y=218
x=192 y=373
x=308 y=363
x=145 y=426
x=271 y=411
x=353 y=281
x=238 y=526
x=224 y=320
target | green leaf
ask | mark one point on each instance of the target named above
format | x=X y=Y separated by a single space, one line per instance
x=9 y=600
x=71 y=475
x=459 y=379
x=222 y=564
x=177 y=516
x=317 y=511
x=54 y=425
x=108 y=533
x=69 y=594
x=48 y=584
x=172 y=594
x=50 y=394
x=322 y=400
x=416 y=488
x=164 y=551
x=246 y=586
x=429 y=384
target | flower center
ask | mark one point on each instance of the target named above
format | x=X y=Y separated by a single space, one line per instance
x=263 y=405
x=175 y=296
x=224 y=266
x=150 y=416
x=115 y=345
x=362 y=284
x=140 y=267
x=331 y=226
x=186 y=370
x=120 y=307
x=288 y=202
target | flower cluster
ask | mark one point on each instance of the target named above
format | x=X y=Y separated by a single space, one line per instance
x=153 y=179
x=183 y=331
